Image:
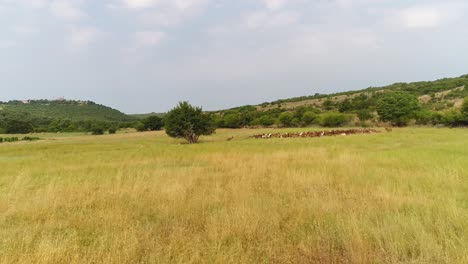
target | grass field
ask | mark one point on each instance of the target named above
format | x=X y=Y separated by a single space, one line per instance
x=399 y=197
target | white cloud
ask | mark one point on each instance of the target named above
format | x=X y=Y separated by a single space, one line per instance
x=81 y=38
x=165 y=12
x=66 y=10
x=136 y=4
x=145 y=39
x=263 y=19
x=5 y=44
x=23 y=30
x=274 y=4
x=426 y=17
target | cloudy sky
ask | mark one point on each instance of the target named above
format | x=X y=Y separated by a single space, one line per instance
x=146 y=55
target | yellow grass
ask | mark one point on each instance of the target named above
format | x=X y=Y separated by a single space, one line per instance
x=398 y=197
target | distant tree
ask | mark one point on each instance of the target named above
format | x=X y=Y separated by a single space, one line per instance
x=397 y=107
x=308 y=118
x=264 y=120
x=453 y=118
x=232 y=120
x=152 y=123
x=97 y=130
x=334 y=119
x=186 y=121
x=140 y=127
x=286 y=119
x=464 y=109
x=14 y=126
x=345 y=106
x=328 y=104
x=364 y=115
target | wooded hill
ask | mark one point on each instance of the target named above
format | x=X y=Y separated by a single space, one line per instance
x=59 y=115
x=436 y=101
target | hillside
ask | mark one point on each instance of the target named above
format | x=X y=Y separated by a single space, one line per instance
x=436 y=98
x=58 y=116
x=64 y=109
x=143 y=116
x=438 y=95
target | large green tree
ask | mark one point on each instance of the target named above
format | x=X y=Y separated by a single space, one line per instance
x=397 y=107
x=186 y=121
x=152 y=123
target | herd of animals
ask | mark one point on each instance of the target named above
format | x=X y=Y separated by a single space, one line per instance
x=312 y=134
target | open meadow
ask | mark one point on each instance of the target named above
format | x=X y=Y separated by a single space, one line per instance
x=399 y=197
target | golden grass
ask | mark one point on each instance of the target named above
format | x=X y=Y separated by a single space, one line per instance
x=398 y=197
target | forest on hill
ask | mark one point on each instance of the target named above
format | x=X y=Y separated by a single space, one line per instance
x=59 y=116
x=438 y=102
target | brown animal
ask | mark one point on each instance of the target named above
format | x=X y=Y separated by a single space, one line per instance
x=389 y=129
x=230 y=138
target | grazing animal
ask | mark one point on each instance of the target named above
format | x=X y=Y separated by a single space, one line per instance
x=230 y=138
x=389 y=129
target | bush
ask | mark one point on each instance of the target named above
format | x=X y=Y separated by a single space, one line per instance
x=112 y=130
x=397 y=107
x=364 y=115
x=152 y=123
x=18 y=127
x=30 y=138
x=97 y=130
x=286 y=119
x=426 y=117
x=453 y=118
x=186 y=121
x=309 y=118
x=334 y=119
x=232 y=120
x=464 y=109
x=265 y=121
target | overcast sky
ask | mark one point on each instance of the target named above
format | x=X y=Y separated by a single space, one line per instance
x=146 y=55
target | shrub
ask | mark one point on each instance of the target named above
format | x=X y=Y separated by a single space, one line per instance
x=453 y=118
x=334 y=119
x=308 y=118
x=30 y=138
x=286 y=119
x=152 y=123
x=186 y=121
x=97 y=130
x=364 y=115
x=18 y=127
x=264 y=120
x=112 y=130
x=232 y=120
x=397 y=107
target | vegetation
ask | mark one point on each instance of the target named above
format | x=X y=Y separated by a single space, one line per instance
x=59 y=116
x=188 y=122
x=151 y=123
x=431 y=103
x=397 y=107
x=397 y=197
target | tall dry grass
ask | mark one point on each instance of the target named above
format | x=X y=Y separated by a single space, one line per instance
x=398 y=197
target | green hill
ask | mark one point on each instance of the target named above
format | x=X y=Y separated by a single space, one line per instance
x=60 y=115
x=431 y=93
x=143 y=116
x=437 y=99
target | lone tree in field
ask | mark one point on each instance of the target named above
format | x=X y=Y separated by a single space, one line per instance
x=186 y=121
x=397 y=107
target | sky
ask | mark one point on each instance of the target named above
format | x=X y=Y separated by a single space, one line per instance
x=143 y=56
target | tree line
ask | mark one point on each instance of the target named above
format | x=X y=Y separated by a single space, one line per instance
x=398 y=108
